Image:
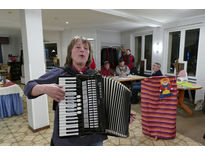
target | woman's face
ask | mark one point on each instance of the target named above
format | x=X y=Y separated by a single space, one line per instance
x=80 y=53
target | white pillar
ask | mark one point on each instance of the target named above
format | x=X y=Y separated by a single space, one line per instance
x=34 y=65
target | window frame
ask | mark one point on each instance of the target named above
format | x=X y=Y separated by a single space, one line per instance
x=182 y=30
x=143 y=34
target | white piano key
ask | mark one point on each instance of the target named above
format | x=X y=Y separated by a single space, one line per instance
x=70 y=126
x=69 y=85
x=67 y=78
x=68 y=134
x=69 y=118
x=69 y=131
x=70 y=113
x=68 y=105
x=71 y=94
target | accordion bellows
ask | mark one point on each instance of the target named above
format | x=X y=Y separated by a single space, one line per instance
x=158 y=114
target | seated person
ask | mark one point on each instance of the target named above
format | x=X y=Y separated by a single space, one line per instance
x=136 y=86
x=156 y=68
x=107 y=71
x=122 y=69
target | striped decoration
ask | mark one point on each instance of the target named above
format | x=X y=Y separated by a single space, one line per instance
x=158 y=114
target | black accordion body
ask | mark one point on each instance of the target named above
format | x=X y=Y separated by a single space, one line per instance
x=93 y=104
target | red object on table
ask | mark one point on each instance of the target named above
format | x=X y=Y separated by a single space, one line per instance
x=8 y=84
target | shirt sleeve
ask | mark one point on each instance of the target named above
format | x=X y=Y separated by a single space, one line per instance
x=128 y=70
x=134 y=65
x=118 y=71
x=48 y=78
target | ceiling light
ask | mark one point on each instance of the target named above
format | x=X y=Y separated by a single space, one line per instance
x=67 y=22
x=90 y=39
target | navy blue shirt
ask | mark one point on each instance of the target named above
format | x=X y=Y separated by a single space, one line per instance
x=158 y=73
x=52 y=77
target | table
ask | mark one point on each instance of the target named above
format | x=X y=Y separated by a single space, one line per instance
x=181 y=91
x=10 y=101
x=129 y=78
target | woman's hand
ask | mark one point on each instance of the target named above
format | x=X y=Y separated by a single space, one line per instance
x=54 y=91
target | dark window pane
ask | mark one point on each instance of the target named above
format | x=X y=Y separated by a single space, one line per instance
x=148 y=51
x=138 y=47
x=51 y=55
x=1 y=57
x=191 y=50
x=173 y=50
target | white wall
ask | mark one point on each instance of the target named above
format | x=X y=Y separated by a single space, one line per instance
x=200 y=73
x=14 y=47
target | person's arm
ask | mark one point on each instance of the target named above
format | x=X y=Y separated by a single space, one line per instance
x=128 y=71
x=52 y=90
x=46 y=84
x=118 y=71
x=134 y=65
x=111 y=72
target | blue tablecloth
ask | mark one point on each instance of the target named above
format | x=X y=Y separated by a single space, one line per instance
x=10 y=105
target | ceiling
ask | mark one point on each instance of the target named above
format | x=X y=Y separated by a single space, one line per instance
x=106 y=19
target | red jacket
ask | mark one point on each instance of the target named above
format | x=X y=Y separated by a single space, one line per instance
x=93 y=65
x=105 y=72
x=129 y=62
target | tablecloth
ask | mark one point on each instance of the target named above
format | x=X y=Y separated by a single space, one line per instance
x=10 y=101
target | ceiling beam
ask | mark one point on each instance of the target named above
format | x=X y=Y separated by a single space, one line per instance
x=147 y=21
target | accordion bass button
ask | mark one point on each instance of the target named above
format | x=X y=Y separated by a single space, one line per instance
x=79 y=108
x=79 y=112
x=78 y=96
x=78 y=100
x=79 y=104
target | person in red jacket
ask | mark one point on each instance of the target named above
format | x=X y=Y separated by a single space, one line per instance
x=129 y=59
x=107 y=71
x=93 y=65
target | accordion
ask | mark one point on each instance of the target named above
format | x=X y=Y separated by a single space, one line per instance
x=93 y=104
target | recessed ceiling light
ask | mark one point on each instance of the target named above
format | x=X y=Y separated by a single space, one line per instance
x=67 y=22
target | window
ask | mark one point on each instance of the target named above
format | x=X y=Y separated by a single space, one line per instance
x=138 y=49
x=148 y=51
x=191 y=50
x=1 y=57
x=173 y=50
x=183 y=46
x=51 y=55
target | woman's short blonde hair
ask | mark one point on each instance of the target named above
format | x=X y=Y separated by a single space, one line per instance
x=69 y=60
